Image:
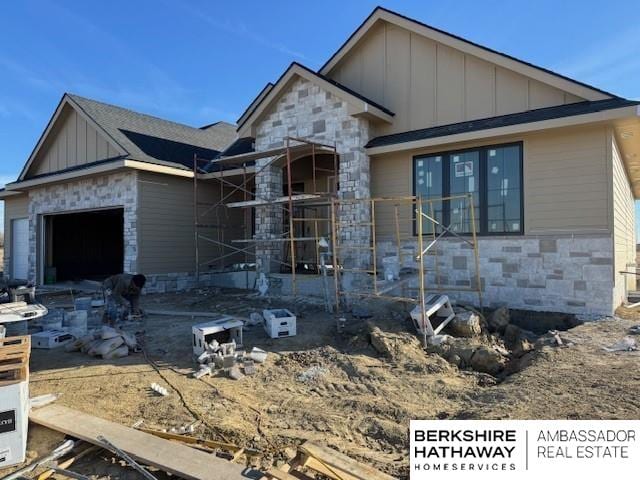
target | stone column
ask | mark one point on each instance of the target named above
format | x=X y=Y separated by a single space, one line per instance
x=354 y=181
x=268 y=217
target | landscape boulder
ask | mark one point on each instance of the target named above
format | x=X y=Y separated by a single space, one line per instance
x=488 y=360
x=465 y=324
x=499 y=319
x=519 y=340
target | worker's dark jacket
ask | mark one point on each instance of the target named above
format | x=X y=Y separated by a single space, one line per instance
x=123 y=290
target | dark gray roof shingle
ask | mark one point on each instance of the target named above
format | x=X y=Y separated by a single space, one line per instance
x=540 y=114
x=116 y=120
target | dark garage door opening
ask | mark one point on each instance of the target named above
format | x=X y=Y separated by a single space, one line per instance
x=86 y=245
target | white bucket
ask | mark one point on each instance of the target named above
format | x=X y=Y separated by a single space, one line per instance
x=391 y=266
x=76 y=323
x=52 y=320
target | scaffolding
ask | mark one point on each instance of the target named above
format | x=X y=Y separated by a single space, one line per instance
x=305 y=214
x=410 y=229
x=407 y=226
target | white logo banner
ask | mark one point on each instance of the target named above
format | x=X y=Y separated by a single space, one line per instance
x=463 y=449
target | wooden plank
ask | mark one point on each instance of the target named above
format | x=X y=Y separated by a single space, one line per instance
x=285 y=199
x=280 y=475
x=166 y=455
x=211 y=444
x=338 y=466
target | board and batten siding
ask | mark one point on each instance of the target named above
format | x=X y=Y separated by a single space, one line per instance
x=14 y=207
x=624 y=228
x=426 y=83
x=73 y=141
x=566 y=181
x=166 y=224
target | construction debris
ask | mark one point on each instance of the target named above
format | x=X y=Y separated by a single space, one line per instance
x=135 y=465
x=174 y=458
x=106 y=342
x=61 y=450
x=159 y=389
x=327 y=463
x=226 y=357
x=311 y=374
x=627 y=344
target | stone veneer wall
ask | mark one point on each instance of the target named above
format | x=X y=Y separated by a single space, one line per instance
x=572 y=274
x=115 y=190
x=309 y=112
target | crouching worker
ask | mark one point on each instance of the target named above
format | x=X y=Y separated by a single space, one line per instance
x=122 y=292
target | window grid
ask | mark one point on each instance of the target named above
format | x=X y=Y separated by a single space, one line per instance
x=497 y=186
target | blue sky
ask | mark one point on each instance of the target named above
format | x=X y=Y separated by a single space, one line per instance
x=197 y=61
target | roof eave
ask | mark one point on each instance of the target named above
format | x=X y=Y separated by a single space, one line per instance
x=575 y=120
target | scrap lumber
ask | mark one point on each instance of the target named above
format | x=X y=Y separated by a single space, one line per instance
x=69 y=461
x=171 y=457
x=212 y=444
x=336 y=465
x=276 y=474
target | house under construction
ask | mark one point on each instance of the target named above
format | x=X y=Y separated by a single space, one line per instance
x=412 y=161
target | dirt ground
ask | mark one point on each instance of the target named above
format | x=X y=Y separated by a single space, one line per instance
x=332 y=388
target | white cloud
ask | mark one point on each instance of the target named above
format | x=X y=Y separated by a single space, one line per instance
x=241 y=30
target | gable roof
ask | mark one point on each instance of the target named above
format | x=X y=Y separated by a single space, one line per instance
x=538 y=115
x=226 y=131
x=542 y=74
x=143 y=130
x=328 y=84
x=266 y=89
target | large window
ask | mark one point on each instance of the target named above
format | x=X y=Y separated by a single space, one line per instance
x=493 y=175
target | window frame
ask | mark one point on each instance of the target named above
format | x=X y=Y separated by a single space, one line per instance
x=482 y=187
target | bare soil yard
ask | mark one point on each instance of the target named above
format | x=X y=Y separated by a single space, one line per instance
x=335 y=389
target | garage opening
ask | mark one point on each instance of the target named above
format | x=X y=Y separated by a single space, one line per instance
x=85 y=245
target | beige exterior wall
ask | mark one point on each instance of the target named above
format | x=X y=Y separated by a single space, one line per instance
x=566 y=190
x=72 y=141
x=426 y=83
x=624 y=228
x=166 y=224
x=14 y=207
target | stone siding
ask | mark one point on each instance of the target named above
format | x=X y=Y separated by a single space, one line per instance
x=571 y=274
x=307 y=111
x=115 y=190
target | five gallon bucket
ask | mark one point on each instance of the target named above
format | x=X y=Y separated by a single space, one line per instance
x=52 y=320
x=76 y=323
